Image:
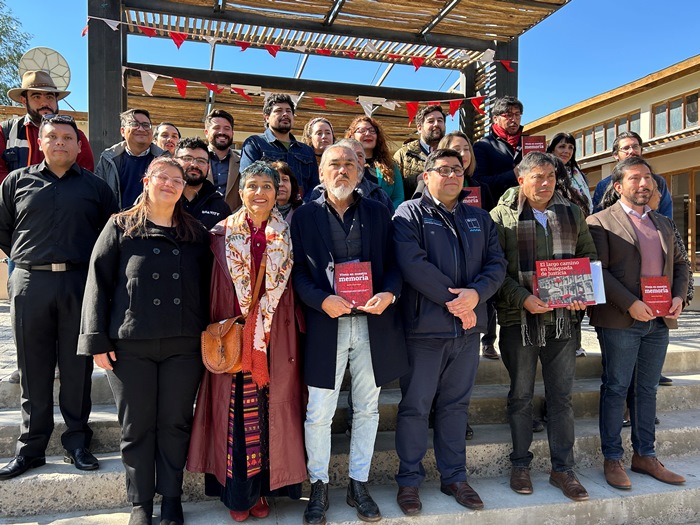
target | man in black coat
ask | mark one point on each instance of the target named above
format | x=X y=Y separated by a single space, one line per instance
x=50 y=216
x=342 y=227
x=200 y=197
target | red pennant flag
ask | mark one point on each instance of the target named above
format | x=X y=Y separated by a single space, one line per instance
x=242 y=93
x=350 y=54
x=346 y=101
x=506 y=64
x=181 y=86
x=321 y=102
x=178 y=38
x=85 y=30
x=273 y=49
x=213 y=87
x=324 y=52
x=417 y=62
x=394 y=56
x=454 y=107
x=242 y=45
x=412 y=108
x=434 y=103
x=477 y=102
x=439 y=53
x=149 y=32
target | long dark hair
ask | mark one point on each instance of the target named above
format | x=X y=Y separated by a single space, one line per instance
x=134 y=220
x=564 y=185
x=381 y=154
x=569 y=139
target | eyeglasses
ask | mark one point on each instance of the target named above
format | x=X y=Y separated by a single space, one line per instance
x=135 y=124
x=511 y=116
x=446 y=171
x=58 y=119
x=631 y=147
x=189 y=159
x=164 y=179
x=365 y=131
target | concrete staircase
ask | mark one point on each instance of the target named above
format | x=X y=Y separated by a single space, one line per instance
x=58 y=493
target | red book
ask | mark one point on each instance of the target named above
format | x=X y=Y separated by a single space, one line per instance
x=353 y=282
x=656 y=294
x=534 y=143
x=560 y=282
x=474 y=197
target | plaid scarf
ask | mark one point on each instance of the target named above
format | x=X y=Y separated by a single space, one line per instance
x=564 y=231
x=256 y=334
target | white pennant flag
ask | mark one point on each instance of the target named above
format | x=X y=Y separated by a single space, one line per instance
x=114 y=24
x=147 y=80
x=123 y=77
x=367 y=107
x=295 y=99
x=488 y=56
x=370 y=48
x=212 y=40
x=389 y=105
x=372 y=100
x=301 y=49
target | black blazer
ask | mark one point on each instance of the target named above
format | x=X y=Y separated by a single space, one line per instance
x=312 y=276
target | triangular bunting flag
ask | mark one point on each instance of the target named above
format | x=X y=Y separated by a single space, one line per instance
x=320 y=101
x=114 y=24
x=123 y=77
x=242 y=45
x=148 y=31
x=213 y=87
x=147 y=81
x=181 y=86
x=391 y=106
x=477 y=102
x=370 y=48
x=273 y=49
x=346 y=101
x=454 y=107
x=295 y=99
x=506 y=64
x=324 y=52
x=239 y=91
x=350 y=54
x=301 y=49
x=212 y=40
x=488 y=55
x=417 y=62
x=367 y=107
x=412 y=109
x=439 y=54
x=394 y=56
x=178 y=38
x=378 y=101
x=85 y=30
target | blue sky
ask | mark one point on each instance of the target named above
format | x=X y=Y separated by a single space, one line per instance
x=586 y=48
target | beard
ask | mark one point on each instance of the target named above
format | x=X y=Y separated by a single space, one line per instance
x=217 y=144
x=282 y=128
x=341 y=192
x=35 y=116
x=433 y=136
x=194 y=177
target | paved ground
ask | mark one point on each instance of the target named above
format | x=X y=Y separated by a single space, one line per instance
x=685 y=338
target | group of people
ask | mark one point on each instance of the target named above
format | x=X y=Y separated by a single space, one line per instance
x=125 y=268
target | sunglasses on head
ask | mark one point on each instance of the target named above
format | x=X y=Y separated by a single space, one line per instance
x=58 y=119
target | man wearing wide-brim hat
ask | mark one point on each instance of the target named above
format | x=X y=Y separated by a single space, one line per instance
x=19 y=136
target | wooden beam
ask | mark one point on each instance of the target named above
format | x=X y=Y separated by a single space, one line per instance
x=506 y=82
x=370 y=33
x=333 y=12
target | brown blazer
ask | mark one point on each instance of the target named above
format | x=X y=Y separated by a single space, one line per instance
x=618 y=250
x=232 y=197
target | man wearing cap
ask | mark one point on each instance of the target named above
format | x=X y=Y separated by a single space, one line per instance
x=50 y=216
x=19 y=136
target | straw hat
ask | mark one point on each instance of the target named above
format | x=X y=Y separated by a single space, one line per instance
x=37 y=81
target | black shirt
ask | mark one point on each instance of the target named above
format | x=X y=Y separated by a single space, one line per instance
x=47 y=219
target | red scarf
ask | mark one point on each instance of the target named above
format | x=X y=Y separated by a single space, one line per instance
x=513 y=140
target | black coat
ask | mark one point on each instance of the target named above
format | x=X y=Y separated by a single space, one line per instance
x=495 y=160
x=208 y=206
x=311 y=236
x=144 y=288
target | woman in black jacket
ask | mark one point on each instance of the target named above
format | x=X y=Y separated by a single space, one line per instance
x=145 y=305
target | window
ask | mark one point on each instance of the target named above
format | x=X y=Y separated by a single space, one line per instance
x=674 y=115
x=600 y=138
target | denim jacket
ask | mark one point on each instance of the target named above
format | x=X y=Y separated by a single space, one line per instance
x=300 y=157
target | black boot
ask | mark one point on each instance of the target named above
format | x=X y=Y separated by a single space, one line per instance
x=141 y=513
x=315 y=513
x=358 y=497
x=171 y=511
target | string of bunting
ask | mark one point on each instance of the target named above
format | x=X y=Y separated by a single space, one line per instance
x=368 y=104
x=417 y=61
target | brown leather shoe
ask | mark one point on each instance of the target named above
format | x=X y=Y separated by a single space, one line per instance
x=520 y=480
x=569 y=485
x=409 y=500
x=615 y=474
x=464 y=494
x=653 y=467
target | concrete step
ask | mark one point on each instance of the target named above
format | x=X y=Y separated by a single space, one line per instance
x=649 y=502
x=59 y=487
x=488 y=406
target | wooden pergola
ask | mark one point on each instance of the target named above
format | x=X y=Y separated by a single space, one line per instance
x=443 y=34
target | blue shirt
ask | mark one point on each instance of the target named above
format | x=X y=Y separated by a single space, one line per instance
x=219 y=171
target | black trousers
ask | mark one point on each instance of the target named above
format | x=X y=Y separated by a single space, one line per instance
x=154 y=384
x=45 y=312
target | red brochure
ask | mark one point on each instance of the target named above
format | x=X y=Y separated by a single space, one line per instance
x=353 y=282
x=656 y=294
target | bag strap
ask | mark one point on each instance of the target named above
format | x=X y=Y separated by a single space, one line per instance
x=259 y=278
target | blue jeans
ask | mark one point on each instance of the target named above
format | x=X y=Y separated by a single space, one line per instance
x=558 y=358
x=353 y=347
x=444 y=369
x=631 y=356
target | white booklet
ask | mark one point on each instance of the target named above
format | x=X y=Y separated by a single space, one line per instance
x=598 y=285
